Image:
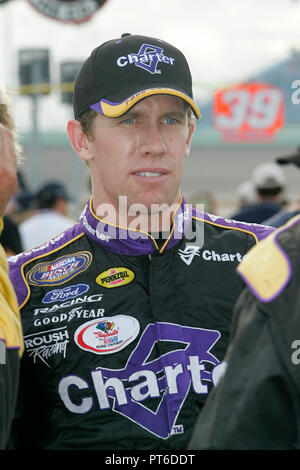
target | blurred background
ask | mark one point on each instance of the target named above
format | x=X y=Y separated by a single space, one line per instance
x=244 y=57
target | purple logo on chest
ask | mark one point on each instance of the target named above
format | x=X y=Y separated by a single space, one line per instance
x=151 y=392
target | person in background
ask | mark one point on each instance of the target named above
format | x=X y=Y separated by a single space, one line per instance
x=19 y=208
x=255 y=405
x=246 y=194
x=269 y=183
x=10 y=237
x=286 y=214
x=11 y=338
x=50 y=218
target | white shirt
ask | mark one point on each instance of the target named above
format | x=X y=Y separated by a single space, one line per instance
x=42 y=226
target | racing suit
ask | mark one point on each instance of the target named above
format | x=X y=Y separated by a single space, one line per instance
x=255 y=405
x=124 y=336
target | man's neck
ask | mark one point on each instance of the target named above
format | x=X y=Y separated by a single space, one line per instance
x=153 y=222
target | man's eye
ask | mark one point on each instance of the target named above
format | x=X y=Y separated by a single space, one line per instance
x=170 y=120
x=130 y=120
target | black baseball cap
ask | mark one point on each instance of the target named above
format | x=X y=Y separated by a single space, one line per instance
x=294 y=158
x=50 y=191
x=122 y=71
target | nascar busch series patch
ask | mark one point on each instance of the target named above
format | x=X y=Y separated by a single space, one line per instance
x=108 y=335
x=149 y=391
x=115 y=277
x=60 y=270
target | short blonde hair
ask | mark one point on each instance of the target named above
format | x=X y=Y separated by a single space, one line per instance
x=87 y=122
x=7 y=121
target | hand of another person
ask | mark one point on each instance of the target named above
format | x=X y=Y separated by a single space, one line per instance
x=8 y=167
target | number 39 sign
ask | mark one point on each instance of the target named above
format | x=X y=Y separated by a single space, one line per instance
x=249 y=112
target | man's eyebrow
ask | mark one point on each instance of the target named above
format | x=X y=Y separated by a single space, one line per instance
x=171 y=112
x=129 y=113
x=136 y=113
x=174 y=113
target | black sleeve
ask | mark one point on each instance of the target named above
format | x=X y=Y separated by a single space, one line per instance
x=9 y=377
x=254 y=406
x=28 y=431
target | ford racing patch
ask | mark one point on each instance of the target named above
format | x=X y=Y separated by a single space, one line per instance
x=60 y=270
x=61 y=295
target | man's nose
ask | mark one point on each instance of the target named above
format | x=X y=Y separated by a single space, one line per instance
x=152 y=141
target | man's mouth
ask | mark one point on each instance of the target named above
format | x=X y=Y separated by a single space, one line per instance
x=149 y=174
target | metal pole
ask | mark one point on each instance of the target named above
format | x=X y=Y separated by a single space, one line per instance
x=36 y=147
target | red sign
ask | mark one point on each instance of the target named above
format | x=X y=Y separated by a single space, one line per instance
x=70 y=11
x=249 y=112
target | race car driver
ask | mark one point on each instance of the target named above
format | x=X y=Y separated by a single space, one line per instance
x=126 y=315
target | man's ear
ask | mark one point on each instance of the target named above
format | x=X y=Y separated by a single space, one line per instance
x=79 y=140
x=191 y=129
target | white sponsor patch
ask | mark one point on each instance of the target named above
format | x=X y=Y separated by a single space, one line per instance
x=45 y=344
x=187 y=255
x=107 y=335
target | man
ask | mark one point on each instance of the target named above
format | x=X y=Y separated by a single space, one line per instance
x=11 y=341
x=285 y=214
x=269 y=183
x=50 y=218
x=256 y=403
x=127 y=314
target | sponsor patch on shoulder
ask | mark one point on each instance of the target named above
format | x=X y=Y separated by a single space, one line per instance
x=115 y=277
x=108 y=335
x=266 y=269
x=60 y=270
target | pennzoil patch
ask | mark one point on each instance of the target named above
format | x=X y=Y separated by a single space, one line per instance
x=115 y=277
x=60 y=270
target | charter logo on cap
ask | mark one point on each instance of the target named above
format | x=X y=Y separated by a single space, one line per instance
x=146 y=58
x=60 y=270
x=109 y=335
x=115 y=277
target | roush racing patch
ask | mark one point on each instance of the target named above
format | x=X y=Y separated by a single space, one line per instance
x=60 y=270
x=108 y=335
x=115 y=277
